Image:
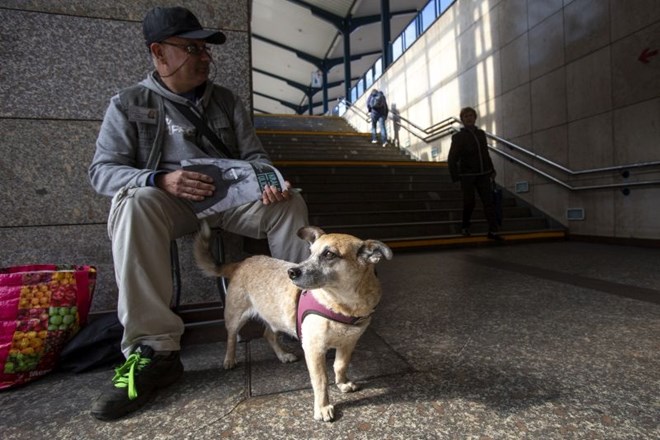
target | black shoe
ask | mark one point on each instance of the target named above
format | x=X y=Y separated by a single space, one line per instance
x=494 y=236
x=136 y=381
x=465 y=232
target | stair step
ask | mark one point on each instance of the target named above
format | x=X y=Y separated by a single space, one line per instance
x=356 y=187
x=455 y=215
x=390 y=230
x=475 y=239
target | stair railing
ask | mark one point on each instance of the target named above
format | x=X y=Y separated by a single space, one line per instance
x=624 y=170
x=427 y=135
x=447 y=127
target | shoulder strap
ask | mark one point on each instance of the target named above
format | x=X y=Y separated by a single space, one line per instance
x=141 y=96
x=204 y=129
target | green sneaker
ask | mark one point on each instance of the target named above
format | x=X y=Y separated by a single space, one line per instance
x=136 y=381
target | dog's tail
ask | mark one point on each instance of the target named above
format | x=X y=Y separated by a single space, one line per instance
x=204 y=257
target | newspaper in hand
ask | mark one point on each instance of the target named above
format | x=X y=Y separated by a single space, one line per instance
x=237 y=182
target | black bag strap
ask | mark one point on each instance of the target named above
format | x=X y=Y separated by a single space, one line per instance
x=203 y=129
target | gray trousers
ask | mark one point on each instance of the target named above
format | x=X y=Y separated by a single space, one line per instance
x=142 y=223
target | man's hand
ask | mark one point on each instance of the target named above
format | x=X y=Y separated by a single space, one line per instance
x=186 y=184
x=272 y=195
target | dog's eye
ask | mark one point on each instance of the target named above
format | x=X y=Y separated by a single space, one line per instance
x=329 y=255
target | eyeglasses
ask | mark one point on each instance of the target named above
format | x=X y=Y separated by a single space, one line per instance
x=191 y=49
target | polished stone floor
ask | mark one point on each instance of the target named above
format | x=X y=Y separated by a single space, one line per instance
x=531 y=341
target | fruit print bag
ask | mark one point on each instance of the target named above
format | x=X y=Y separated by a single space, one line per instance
x=41 y=308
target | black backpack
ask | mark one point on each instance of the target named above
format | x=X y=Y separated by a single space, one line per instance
x=378 y=100
x=98 y=344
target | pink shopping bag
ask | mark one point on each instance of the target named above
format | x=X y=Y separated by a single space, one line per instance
x=41 y=308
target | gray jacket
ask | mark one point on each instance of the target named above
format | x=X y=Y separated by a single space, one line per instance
x=142 y=132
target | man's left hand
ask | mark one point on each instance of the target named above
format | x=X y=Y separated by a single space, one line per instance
x=272 y=195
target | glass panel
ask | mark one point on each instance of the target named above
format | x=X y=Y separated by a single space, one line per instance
x=410 y=34
x=444 y=4
x=428 y=15
x=397 y=47
x=378 y=68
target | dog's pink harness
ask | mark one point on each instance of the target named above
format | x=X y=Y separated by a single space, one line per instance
x=308 y=304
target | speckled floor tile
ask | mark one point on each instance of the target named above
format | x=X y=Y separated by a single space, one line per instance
x=514 y=342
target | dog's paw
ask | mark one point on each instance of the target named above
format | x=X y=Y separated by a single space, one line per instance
x=229 y=364
x=325 y=413
x=347 y=387
x=286 y=358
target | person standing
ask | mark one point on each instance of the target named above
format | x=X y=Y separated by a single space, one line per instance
x=146 y=131
x=377 y=107
x=470 y=163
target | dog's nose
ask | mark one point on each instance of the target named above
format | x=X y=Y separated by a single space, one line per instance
x=294 y=273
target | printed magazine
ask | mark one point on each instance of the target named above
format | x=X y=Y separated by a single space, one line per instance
x=237 y=182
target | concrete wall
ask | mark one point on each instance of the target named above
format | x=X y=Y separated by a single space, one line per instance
x=561 y=78
x=61 y=63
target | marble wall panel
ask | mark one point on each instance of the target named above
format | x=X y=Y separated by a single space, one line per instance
x=633 y=80
x=514 y=58
x=549 y=198
x=549 y=100
x=546 y=46
x=465 y=13
x=66 y=67
x=514 y=113
x=590 y=142
x=89 y=244
x=539 y=10
x=220 y=14
x=586 y=27
x=636 y=132
x=43 y=173
x=512 y=20
x=508 y=173
x=467 y=51
x=487 y=115
x=589 y=85
x=599 y=212
x=633 y=218
x=551 y=144
x=62 y=61
x=630 y=16
x=71 y=244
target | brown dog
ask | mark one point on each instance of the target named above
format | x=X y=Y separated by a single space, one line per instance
x=339 y=293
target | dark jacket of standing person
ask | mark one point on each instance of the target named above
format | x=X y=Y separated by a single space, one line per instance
x=468 y=155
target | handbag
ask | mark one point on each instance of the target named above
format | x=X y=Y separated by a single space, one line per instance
x=497 y=202
x=41 y=308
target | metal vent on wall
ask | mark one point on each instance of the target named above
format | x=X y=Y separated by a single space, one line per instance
x=522 y=187
x=575 y=213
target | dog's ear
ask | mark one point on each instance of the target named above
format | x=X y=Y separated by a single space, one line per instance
x=310 y=233
x=372 y=251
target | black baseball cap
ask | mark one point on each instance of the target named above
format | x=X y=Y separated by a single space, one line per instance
x=161 y=23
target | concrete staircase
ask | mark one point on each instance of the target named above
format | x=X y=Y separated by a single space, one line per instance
x=370 y=191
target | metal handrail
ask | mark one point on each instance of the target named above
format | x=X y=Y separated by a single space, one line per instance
x=570 y=187
x=452 y=129
x=362 y=114
x=446 y=127
x=567 y=170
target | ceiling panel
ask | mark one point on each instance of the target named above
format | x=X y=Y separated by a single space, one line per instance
x=292 y=24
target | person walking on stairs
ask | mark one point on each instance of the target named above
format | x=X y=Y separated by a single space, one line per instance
x=377 y=107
